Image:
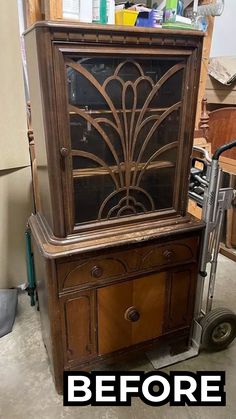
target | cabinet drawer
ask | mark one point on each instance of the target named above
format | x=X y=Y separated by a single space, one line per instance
x=91 y=270
x=177 y=251
x=138 y=259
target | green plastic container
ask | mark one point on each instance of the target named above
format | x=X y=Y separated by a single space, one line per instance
x=172 y=4
x=171 y=10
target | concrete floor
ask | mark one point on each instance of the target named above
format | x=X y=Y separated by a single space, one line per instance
x=27 y=390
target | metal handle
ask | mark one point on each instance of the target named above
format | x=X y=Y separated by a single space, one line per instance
x=204 y=153
x=132 y=314
x=222 y=149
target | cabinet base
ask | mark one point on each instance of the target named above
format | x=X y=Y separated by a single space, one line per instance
x=84 y=298
x=175 y=344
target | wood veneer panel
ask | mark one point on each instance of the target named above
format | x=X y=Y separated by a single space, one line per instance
x=181 y=290
x=147 y=295
x=78 y=325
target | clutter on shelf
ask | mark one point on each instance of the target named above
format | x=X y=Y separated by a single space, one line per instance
x=173 y=14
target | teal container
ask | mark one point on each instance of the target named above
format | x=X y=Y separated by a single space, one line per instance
x=100 y=11
x=30 y=267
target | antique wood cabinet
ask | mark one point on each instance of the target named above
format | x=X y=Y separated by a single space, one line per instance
x=116 y=254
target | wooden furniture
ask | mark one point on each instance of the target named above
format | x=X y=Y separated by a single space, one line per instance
x=222 y=129
x=218 y=127
x=35 y=187
x=116 y=254
x=205 y=61
x=37 y=10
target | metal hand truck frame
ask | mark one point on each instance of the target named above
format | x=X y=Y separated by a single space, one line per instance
x=212 y=329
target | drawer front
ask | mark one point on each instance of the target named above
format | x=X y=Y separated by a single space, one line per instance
x=92 y=270
x=95 y=270
x=179 y=251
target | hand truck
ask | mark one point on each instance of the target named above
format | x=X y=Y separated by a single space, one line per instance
x=211 y=329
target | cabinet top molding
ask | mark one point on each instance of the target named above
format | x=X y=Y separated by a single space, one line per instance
x=74 y=31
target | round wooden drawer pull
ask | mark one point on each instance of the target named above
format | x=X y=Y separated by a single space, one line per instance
x=96 y=271
x=64 y=151
x=169 y=255
x=132 y=314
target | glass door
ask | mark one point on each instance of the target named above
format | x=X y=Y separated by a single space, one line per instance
x=125 y=126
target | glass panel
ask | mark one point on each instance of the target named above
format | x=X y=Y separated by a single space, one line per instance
x=90 y=191
x=124 y=128
x=155 y=192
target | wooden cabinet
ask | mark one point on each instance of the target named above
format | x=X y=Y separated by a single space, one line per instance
x=113 y=111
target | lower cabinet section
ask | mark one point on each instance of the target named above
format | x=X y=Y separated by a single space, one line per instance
x=98 y=306
x=141 y=302
x=114 y=317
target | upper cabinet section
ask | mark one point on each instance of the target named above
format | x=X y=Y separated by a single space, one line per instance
x=119 y=110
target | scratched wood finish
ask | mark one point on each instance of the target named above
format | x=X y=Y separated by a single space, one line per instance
x=99 y=269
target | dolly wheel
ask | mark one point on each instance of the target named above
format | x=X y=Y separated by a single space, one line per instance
x=218 y=329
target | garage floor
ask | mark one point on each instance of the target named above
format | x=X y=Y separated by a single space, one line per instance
x=27 y=390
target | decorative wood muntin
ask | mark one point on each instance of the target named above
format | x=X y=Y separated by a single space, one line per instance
x=127 y=174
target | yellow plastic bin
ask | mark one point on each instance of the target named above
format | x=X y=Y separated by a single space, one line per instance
x=126 y=17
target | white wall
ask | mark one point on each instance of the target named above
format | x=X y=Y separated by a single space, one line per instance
x=13 y=125
x=15 y=173
x=224 y=34
x=15 y=208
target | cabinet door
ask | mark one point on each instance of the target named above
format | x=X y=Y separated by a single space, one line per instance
x=181 y=287
x=130 y=312
x=78 y=326
x=123 y=134
x=124 y=129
